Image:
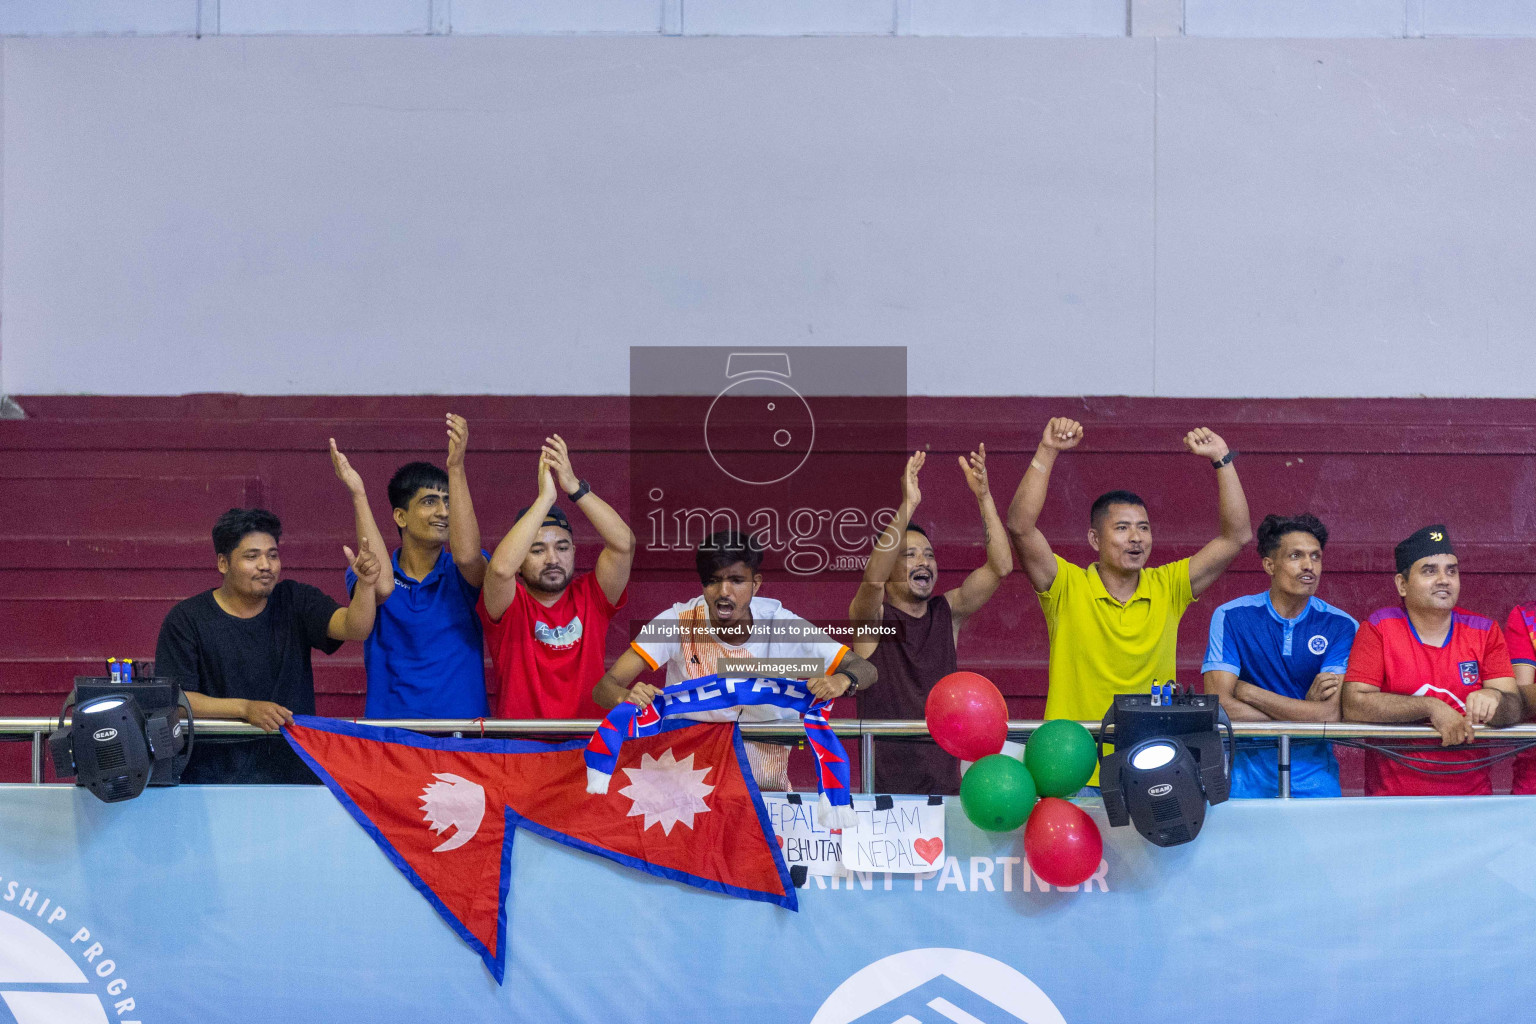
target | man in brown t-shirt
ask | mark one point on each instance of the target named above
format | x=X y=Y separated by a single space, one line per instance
x=898 y=589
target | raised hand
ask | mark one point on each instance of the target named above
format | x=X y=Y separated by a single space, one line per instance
x=911 y=494
x=975 y=470
x=1206 y=443
x=365 y=563
x=1062 y=434
x=559 y=457
x=344 y=471
x=458 y=440
x=546 y=478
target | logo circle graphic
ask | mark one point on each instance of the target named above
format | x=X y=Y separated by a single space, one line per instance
x=102 y=735
x=913 y=984
x=1318 y=644
x=754 y=416
x=28 y=957
x=1161 y=789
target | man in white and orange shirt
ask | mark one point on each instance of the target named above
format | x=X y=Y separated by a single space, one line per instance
x=729 y=620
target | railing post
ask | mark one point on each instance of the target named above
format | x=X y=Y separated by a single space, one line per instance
x=37 y=759
x=866 y=762
x=1285 y=767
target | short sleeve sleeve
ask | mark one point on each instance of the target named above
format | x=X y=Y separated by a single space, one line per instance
x=597 y=598
x=1495 y=660
x=1050 y=600
x=1341 y=641
x=1517 y=639
x=1180 y=593
x=1365 y=662
x=658 y=640
x=1221 y=655
x=312 y=610
x=176 y=650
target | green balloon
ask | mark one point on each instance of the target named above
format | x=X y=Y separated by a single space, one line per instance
x=997 y=793
x=1061 y=756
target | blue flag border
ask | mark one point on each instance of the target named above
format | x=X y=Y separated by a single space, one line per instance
x=496 y=962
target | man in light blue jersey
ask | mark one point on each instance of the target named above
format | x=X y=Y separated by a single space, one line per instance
x=1280 y=656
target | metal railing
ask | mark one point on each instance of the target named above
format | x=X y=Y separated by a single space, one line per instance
x=864 y=730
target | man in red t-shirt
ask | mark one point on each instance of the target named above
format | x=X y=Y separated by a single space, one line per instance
x=1430 y=660
x=1520 y=636
x=545 y=626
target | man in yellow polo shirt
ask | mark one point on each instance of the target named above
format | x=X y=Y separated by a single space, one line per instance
x=1114 y=626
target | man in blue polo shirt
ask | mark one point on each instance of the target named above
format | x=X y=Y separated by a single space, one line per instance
x=425 y=657
x=1280 y=656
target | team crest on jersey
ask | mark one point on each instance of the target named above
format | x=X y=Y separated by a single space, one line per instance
x=1469 y=677
x=1318 y=644
x=558 y=637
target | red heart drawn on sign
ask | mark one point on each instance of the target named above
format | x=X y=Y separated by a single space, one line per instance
x=929 y=849
x=781 y=841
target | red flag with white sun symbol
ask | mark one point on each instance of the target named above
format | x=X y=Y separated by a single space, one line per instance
x=445 y=811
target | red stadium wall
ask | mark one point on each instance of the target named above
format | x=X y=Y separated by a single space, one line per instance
x=107 y=503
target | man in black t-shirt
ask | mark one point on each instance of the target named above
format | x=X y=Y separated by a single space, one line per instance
x=242 y=649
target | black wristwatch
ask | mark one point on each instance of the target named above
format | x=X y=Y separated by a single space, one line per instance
x=853 y=684
x=582 y=490
x=1225 y=460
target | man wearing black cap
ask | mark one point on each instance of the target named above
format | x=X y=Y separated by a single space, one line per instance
x=1430 y=660
x=544 y=625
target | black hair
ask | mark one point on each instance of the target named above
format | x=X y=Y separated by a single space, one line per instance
x=723 y=549
x=238 y=523
x=412 y=477
x=1274 y=527
x=1102 y=502
x=918 y=529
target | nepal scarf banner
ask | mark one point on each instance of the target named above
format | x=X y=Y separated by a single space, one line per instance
x=716 y=693
x=445 y=811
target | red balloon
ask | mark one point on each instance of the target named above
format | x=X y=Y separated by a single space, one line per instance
x=967 y=716
x=1062 y=843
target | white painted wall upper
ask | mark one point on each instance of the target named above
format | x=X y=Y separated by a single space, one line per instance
x=1146 y=216
x=1241 y=18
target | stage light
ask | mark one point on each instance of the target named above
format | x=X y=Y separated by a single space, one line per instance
x=1169 y=762
x=123 y=737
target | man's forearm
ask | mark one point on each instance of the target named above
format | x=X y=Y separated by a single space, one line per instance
x=1029 y=499
x=1240 y=710
x=609 y=692
x=368 y=529
x=1281 y=708
x=463 y=526
x=1233 y=504
x=1511 y=709
x=204 y=706
x=859 y=669
x=514 y=547
x=360 y=614
x=887 y=546
x=610 y=526
x=999 y=551
x=1374 y=706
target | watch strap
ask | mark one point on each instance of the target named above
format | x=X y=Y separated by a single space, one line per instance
x=582 y=490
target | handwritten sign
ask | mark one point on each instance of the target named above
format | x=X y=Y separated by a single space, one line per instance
x=803 y=842
x=899 y=834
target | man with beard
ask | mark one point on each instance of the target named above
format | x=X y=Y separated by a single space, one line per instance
x=242 y=650
x=1429 y=659
x=545 y=627
x=1280 y=656
x=729 y=620
x=1114 y=625
x=898 y=592
x=425 y=657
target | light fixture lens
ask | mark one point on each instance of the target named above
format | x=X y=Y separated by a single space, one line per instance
x=1153 y=755
x=104 y=704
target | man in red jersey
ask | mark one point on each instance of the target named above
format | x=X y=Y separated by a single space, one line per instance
x=545 y=625
x=1520 y=636
x=1430 y=660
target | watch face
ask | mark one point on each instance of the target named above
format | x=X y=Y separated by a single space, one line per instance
x=759 y=430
